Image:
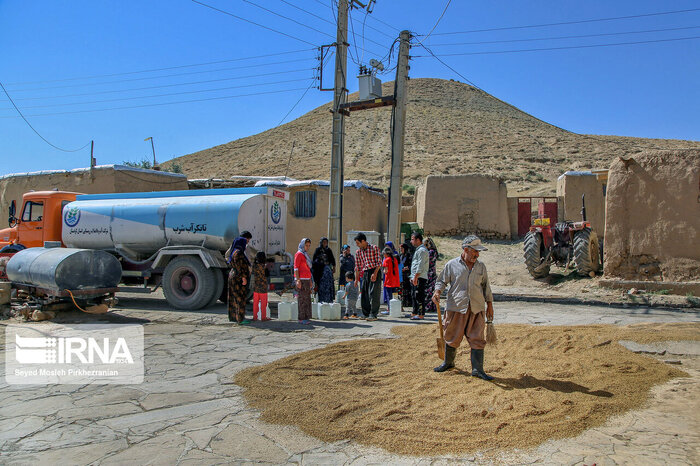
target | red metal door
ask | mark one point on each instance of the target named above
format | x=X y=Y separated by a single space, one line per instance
x=550 y=210
x=524 y=216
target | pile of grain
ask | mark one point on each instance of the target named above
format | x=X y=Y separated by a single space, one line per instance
x=551 y=382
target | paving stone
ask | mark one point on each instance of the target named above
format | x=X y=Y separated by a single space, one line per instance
x=164 y=414
x=202 y=437
x=160 y=450
x=289 y=438
x=17 y=427
x=241 y=443
x=81 y=455
x=66 y=435
x=98 y=412
x=166 y=400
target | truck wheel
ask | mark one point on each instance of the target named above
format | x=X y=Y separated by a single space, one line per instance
x=534 y=255
x=12 y=248
x=223 y=297
x=187 y=283
x=586 y=252
x=218 y=288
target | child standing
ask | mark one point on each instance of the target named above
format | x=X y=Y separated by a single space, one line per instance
x=260 y=275
x=391 y=275
x=350 y=296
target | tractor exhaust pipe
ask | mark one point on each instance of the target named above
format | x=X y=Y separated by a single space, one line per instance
x=583 y=207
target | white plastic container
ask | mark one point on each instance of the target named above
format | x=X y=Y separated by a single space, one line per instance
x=315 y=310
x=287 y=311
x=339 y=296
x=330 y=311
x=395 y=309
x=336 y=311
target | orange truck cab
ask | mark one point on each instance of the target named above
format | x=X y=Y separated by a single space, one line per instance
x=38 y=220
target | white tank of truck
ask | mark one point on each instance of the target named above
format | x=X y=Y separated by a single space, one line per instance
x=140 y=224
x=177 y=238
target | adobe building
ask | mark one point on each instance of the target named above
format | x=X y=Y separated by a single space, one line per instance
x=364 y=209
x=448 y=205
x=652 y=231
x=97 y=180
x=571 y=186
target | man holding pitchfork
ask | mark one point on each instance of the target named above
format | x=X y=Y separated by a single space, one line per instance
x=468 y=299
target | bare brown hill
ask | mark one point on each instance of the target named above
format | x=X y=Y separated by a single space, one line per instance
x=452 y=128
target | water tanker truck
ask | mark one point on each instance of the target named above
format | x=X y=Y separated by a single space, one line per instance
x=173 y=239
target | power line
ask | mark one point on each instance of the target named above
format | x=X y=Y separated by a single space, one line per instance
x=297 y=102
x=452 y=69
x=166 y=68
x=37 y=132
x=369 y=26
x=166 y=103
x=568 y=22
x=564 y=37
x=160 y=85
x=436 y=23
x=165 y=95
x=564 y=48
x=254 y=23
x=288 y=18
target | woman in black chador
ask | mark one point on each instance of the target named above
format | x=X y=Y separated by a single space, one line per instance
x=323 y=270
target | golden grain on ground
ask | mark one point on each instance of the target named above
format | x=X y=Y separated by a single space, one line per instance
x=551 y=382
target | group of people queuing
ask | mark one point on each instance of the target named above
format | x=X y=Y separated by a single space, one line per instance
x=412 y=272
x=370 y=275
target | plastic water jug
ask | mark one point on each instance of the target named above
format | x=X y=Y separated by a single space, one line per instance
x=287 y=311
x=315 y=310
x=339 y=296
x=336 y=311
x=395 y=309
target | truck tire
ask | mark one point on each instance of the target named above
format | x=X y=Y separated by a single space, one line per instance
x=534 y=255
x=586 y=252
x=12 y=248
x=218 y=286
x=187 y=283
x=223 y=297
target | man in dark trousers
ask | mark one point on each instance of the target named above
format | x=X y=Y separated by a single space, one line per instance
x=419 y=275
x=368 y=265
x=469 y=304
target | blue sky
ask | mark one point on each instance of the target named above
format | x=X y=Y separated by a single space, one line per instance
x=644 y=90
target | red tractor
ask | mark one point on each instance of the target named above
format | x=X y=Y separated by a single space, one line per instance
x=567 y=242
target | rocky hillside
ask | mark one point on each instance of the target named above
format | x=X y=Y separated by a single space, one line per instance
x=451 y=128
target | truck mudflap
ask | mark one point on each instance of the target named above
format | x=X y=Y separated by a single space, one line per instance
x=209 y=257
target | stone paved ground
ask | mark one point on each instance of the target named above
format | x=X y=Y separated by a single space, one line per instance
x=188 y=411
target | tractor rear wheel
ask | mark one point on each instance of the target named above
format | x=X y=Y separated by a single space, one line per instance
x=534 y=255
x=586 y=252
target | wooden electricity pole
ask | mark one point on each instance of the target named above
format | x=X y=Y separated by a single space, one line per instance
x=335 y=200
x=397 y=139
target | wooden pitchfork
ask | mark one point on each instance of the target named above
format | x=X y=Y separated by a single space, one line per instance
x=441 y=338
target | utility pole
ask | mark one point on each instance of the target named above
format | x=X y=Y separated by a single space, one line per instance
x=93 y=162
x=153 y=148
x=335 y=200
x=397 y=137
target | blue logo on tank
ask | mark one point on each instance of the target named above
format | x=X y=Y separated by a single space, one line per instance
x=72 y=217
x=275 y=213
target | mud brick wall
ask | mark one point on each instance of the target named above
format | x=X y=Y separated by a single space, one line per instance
x=570 y=187
x=451 y=205
x=101 y=179
x=653 y=217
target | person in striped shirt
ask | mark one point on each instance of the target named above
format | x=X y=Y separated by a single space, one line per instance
x=368 y=265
